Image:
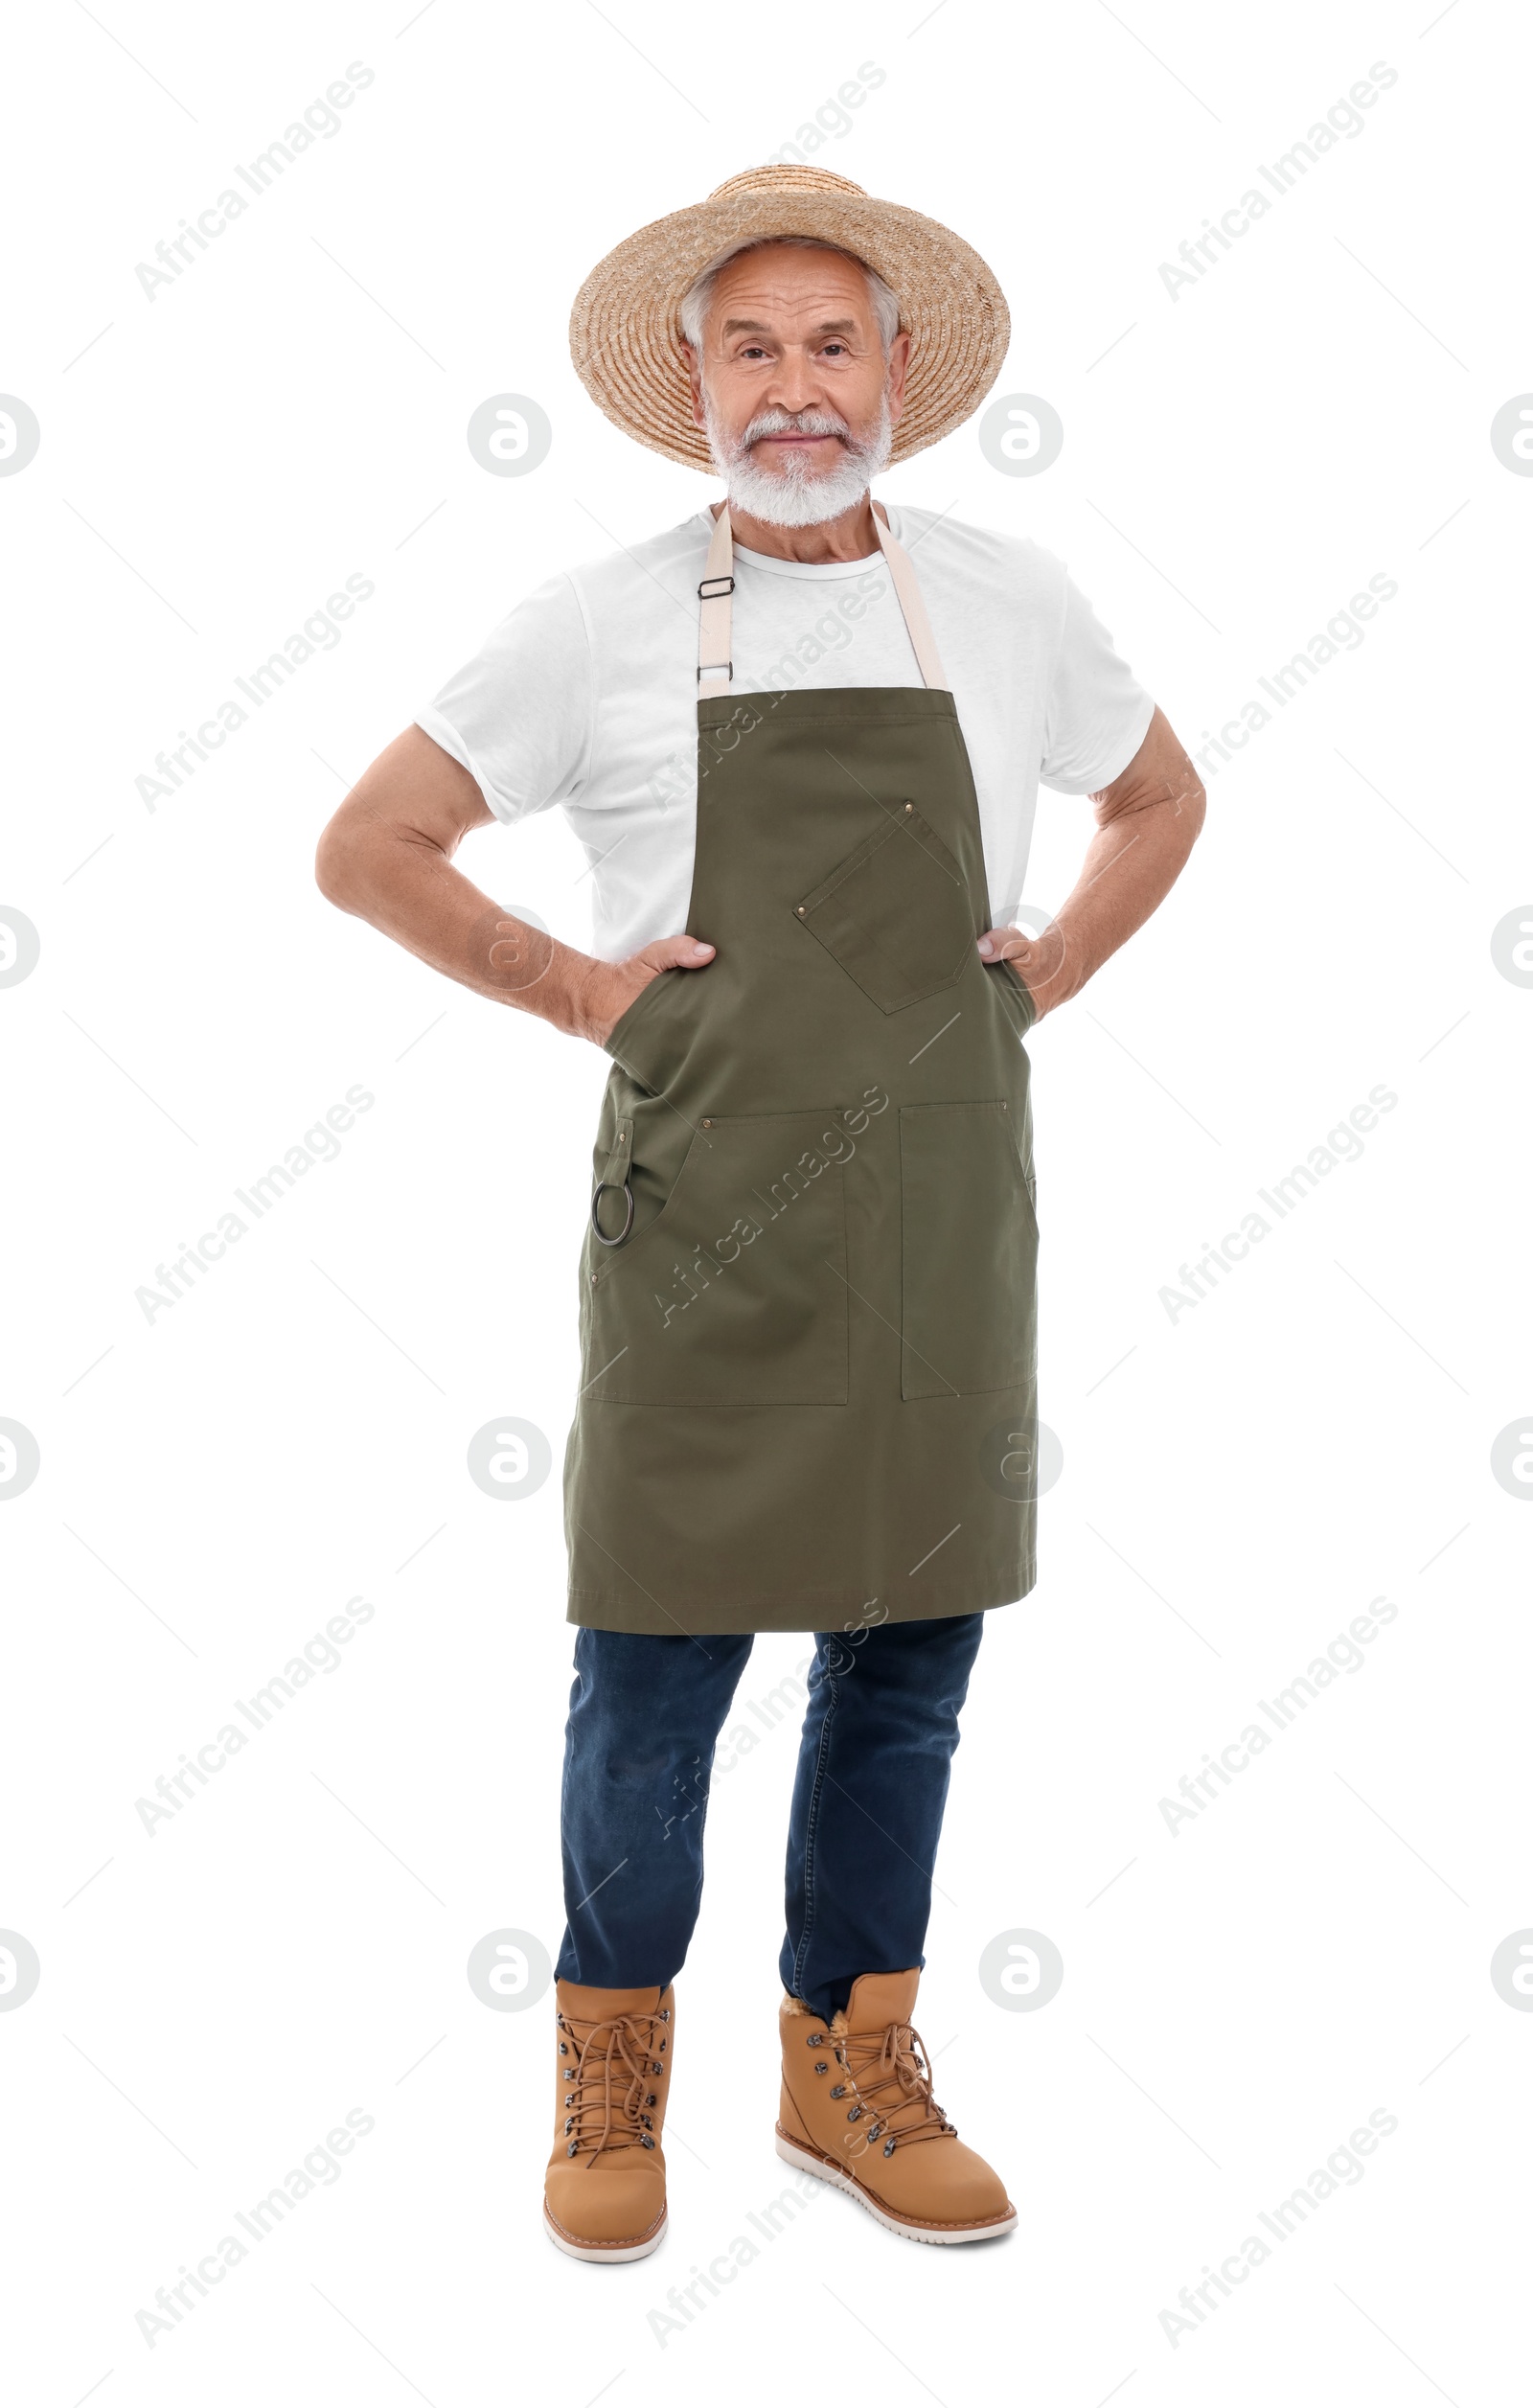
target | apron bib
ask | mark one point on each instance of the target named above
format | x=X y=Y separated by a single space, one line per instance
x=808 y=1299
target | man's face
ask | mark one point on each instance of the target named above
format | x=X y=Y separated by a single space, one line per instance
x=793 y=382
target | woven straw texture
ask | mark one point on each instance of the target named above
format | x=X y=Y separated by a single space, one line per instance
x=625 y=332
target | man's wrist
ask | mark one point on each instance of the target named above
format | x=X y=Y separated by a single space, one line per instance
x=583 y=1014
x=1048 y=989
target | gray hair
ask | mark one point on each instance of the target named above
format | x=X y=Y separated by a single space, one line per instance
x=696 y=302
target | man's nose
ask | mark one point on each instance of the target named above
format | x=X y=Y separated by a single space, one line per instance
x=796 y=385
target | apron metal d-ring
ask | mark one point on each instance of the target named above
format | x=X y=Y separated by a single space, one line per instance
x=602 y=1185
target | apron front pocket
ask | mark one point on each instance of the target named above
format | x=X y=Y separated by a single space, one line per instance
x=736 y=1293
x=969 y=1251
x=895 y=913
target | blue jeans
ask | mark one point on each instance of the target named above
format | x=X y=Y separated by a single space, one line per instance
x=879 y=1729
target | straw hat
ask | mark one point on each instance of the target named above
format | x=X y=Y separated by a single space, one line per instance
x=625 y=330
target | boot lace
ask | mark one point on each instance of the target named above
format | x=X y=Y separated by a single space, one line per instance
x=890 y=2074
x=613 y=2081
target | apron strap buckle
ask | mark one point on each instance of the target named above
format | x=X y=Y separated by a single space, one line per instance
x=714 y=613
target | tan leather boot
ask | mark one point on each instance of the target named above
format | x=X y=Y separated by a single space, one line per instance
x=857 y=2110
x=603 y=2194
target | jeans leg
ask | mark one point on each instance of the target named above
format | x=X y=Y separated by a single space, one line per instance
x=868 y=1799
x=644 y=1714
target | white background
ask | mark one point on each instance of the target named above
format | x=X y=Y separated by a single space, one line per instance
x=1238 y=1484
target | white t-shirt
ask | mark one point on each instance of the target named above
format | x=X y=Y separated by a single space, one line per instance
x=586 y=695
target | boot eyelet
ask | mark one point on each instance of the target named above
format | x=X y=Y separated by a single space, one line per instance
x=648 y=2143
x=573 y=2149
x=838 y=2090
x=815 y=2040
x=563 y=2047
x=658 y=2069
x=821 y=2066
x=648 y=2122
x=662 y=2045
x=888 y=2148
x=852 y=2114
x=569 y=2120
x=664 y=2014
x=650 y=2099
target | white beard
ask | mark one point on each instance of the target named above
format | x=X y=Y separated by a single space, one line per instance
x=797 y=495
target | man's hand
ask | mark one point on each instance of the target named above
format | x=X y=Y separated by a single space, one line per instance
x=611 y=986
x=1032 y=961
x=1147 y=821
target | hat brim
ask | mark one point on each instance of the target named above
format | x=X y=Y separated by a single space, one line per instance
x=625 y=332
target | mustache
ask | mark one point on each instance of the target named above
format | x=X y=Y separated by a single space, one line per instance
x=776 y=421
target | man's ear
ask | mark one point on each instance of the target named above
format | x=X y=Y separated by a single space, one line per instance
x=898 y=367
x=694 y=370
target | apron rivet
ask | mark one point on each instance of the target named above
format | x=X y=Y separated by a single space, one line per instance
x=802 y=908
x=909 y=807
x=707 y=1124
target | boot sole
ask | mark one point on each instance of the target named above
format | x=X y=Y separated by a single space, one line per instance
x=604 y=2253
x=809 y=2161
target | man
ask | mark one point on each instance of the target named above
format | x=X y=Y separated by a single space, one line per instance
x=808 y=1383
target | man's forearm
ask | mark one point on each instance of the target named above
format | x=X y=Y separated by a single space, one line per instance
x=1146 y=823
x=387 y=858
x=407 y=888
x=1129 y=867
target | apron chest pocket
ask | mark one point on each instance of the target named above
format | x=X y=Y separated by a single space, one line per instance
x=736 y=1293
x=895 y=913
x=968 y=1246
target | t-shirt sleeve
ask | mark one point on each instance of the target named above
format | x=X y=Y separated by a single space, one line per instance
x=1097 y=714
x=517 y=716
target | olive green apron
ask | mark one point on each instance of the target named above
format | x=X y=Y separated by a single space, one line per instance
x=807 y=1317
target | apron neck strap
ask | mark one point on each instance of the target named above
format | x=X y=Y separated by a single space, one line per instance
x=716 y=668
x=917 y=625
